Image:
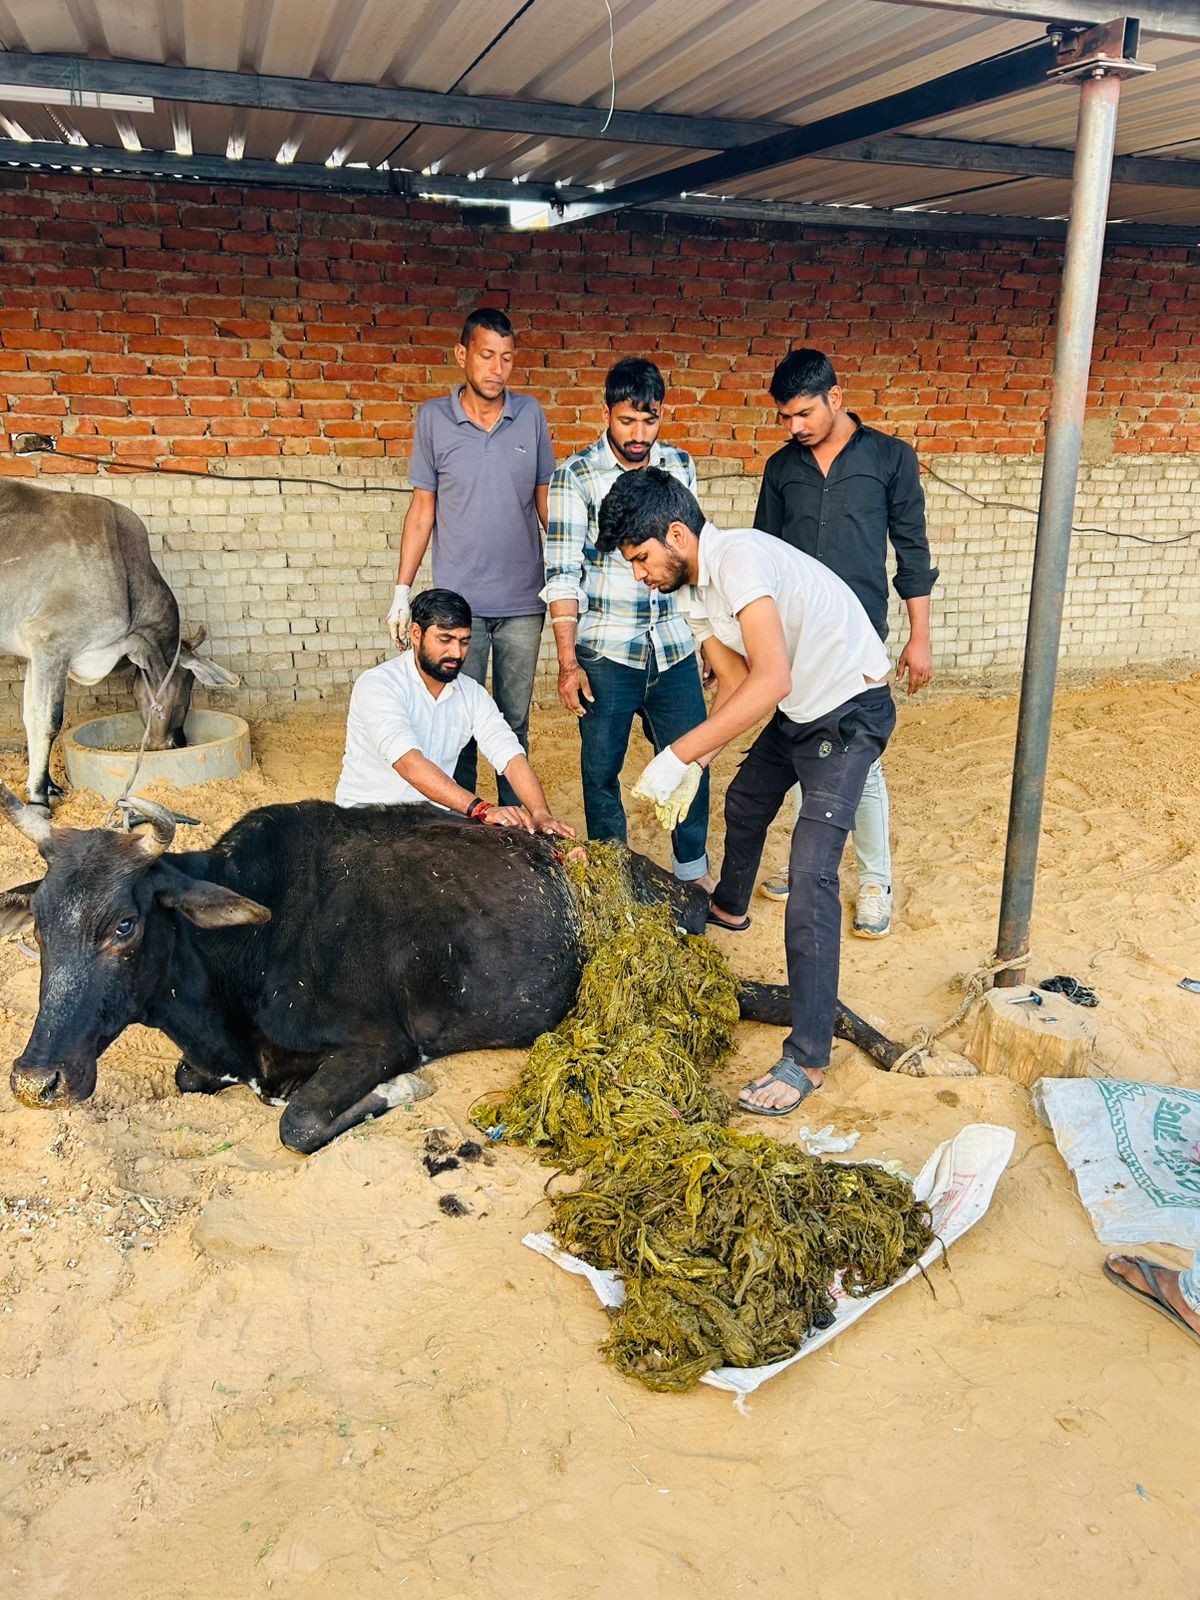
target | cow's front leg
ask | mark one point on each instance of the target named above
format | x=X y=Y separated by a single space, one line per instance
x=42 y=712
x=191 y=1079
x=350 y=1085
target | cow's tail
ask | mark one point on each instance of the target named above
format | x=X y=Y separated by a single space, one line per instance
x=771 y=1003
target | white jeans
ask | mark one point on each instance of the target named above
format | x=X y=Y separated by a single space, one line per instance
x=872 y=838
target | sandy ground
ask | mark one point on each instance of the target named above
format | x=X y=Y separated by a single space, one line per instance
x=226 y=1370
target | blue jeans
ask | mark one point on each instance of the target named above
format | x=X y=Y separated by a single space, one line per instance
x=669 y=705
x=513 y=644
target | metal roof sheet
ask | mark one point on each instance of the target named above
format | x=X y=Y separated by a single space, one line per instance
x=774 y=60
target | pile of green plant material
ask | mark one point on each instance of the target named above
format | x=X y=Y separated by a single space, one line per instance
x=728 y=1243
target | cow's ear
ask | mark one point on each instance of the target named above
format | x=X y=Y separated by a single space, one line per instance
x=209 y=905
x=208 y=672
x=15 y=915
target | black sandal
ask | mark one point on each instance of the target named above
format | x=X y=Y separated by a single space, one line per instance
x=786 y=1071
x=730 y=927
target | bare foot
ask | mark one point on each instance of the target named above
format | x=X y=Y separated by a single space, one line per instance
x=769 y=1092
x=708 y=883
x=1168 y=1281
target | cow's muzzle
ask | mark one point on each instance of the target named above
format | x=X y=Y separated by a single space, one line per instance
x=42 y=1088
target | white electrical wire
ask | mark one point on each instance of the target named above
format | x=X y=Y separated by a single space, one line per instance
x=612 y=71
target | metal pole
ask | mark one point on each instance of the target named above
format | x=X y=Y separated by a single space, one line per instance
x=1098 y=101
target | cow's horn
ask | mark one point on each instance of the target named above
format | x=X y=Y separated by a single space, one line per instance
x=32 y=821
x=162 y=826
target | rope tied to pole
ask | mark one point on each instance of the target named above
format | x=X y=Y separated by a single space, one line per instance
x=975 y=985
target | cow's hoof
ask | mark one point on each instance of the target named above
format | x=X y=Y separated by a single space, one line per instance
x=48 y=797
x=405 y=1090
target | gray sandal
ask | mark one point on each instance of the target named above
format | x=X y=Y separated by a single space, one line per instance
x=786 y=1071
x=1152 y=1295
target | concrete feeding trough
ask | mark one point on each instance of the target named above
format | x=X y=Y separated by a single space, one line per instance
x=102 y=754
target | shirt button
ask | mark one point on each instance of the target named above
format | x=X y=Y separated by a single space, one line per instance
x=829 y=814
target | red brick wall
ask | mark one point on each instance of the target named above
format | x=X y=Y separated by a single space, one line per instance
x=168 y=321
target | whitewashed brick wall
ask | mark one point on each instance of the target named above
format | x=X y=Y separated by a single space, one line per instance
x=293 y=580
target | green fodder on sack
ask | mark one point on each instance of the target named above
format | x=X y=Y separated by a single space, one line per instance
x=729 y=1244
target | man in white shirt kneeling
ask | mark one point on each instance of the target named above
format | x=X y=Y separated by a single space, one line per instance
x=789 y=641
x=411 y=717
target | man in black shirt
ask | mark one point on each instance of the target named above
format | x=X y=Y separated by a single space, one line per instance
x=839 y=490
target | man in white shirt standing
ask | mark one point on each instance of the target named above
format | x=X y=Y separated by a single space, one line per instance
x=411 y=718
x=787 y=639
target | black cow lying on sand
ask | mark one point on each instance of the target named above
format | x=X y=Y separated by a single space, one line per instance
x=315 y=953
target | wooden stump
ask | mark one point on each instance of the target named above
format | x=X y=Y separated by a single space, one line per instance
x=1016 y=1037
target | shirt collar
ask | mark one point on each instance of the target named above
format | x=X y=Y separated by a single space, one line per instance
x=459 y=415
x=709 y=534
x=408 y=663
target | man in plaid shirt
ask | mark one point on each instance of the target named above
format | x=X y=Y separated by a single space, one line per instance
x=623 y=651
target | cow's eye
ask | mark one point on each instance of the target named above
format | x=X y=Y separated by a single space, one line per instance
x=125 y=927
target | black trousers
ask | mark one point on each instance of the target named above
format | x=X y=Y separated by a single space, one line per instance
x=830 y=759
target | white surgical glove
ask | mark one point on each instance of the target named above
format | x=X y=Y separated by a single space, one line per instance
x=670 y=785
x=397 y=617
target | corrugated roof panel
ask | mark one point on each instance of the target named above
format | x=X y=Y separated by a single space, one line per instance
x=1051 y=197
x=795 y=60
x=47 y=25
x=131 y=32
x=424 y=44
x=854 y=183
x=1153 y=108
x=213 y=33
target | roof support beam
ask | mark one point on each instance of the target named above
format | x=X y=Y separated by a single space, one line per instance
x=53 y=158
x=1025 y=161
x=535 y=117
x=1173 y=19
x=969 y=86
x=373 y=103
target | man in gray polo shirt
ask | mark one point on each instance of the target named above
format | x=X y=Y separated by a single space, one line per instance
x=481 y=465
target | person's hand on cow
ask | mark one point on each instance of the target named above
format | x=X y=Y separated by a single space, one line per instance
x=543 y=822
x=533 y=822
x=507 y=817
x=398 y=616
x=670 y=785
x=574 y=689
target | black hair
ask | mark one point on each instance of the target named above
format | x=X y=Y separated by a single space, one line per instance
x=643 y=505
x=636 y=381
x=486 y=317
x=802 y=372
x=440 y=608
